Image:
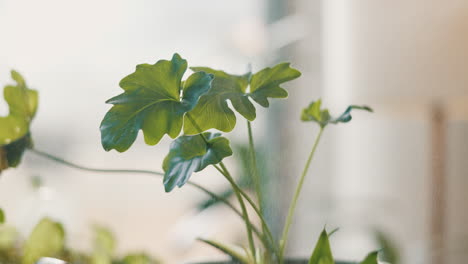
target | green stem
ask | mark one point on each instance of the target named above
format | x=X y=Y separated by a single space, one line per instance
x=242 y=204
x=292 y=207
x=255 y=175
x=257 y=211
x=156 y=173
x=235 y=189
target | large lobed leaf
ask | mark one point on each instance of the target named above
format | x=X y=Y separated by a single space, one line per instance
x=189 y=154
x=315 y=113
x=213 y=110
x=14 y=128
x=154 y=100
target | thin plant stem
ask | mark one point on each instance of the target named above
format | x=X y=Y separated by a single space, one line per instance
x=148 y=172
x=243 y=208
x=257 y=211
x=292 y=207
x=254 y=170
x=235 y=189
x=256 y=178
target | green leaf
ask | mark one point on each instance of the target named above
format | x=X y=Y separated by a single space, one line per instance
x=11 y=154
x=139 y=258
x=46 y=240
x=104 y=246
x=21 y=100
x=235 y=253
x=2 y=216
x=213 y=111
x=346 y=116
x=389 y=251
x=189 y=154
x=14 y=128
x=154 y=100
x=371 y=258
x=104 y=239
x=266 y=83
x=315 y=113
x=322 y=253
x=8 y=237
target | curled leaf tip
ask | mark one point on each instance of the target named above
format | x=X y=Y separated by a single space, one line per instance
x=315 y=113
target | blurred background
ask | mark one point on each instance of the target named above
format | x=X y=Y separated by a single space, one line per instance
x=400 y=173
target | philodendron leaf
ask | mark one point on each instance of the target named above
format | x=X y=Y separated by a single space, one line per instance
x=154 y=100
x=189 y=154
x=236 y=253
x=14 y=128
x=315 y=113
x=371 y=258
x=322 y=253
x=46 y=240
x=213 y=111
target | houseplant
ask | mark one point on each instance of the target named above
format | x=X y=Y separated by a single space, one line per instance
x=157 y=101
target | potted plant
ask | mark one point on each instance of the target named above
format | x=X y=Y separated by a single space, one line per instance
x=156 y=100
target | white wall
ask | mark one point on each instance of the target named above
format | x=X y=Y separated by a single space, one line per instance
x=398 y=57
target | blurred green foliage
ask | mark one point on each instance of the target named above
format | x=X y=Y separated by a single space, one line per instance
x=48 y=239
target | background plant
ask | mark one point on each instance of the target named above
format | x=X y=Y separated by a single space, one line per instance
x=48 y=238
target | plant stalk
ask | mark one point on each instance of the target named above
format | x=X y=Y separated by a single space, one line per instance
x=254 y=171
x=267 y=230
x=235 y=189
x=292 y=207
x=155 y=173
x=242 y=204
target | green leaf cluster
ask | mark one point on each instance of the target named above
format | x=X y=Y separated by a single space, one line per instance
x=48 y=239
x=157 y=101
x=15 y=127
x=315 y=113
